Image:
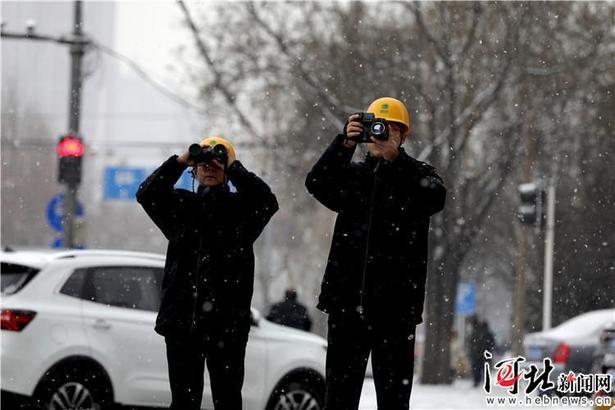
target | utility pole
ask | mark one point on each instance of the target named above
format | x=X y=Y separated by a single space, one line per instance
x=78 y=43
x=77 y=50
x=519 y=291
x=547 y=301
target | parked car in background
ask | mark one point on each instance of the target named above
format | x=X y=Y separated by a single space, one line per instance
x=605 y=363
x=571 y=346
x=78 y=331
x=606 y=349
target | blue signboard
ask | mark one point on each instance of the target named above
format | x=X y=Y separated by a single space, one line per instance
x=58 y=243
x=466 y=298
x=123 y=182
x=55 y=212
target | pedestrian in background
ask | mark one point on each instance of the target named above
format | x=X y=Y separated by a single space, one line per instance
x=209 y=273
x=374 y=283
x=481 y=339
x=290 y=312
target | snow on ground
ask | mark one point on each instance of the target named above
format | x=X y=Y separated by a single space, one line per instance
x=460 y=395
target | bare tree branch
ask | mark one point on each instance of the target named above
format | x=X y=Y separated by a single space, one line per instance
x=494 y=184
x=415 y=7
x=147 y=78
x=469 y=41
x=475 y=111
x=218 y=79
x=480 y=104
x=306 y=77
x=486 y=183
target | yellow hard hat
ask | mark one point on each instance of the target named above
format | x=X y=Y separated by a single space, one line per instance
x=213 y=141
x=391 y=109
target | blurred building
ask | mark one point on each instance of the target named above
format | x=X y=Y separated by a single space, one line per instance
x=124 y=121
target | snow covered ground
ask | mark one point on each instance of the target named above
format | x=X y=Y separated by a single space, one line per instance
x=460 y=395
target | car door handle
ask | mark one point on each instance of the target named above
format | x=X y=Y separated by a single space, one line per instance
x=101 y=324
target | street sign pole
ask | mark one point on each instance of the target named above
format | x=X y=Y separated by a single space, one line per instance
x=549 y=242
x=78 y=45
x=77 y=50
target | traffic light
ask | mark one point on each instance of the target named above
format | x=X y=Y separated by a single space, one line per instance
x=70 y=150
x=529 y=206
x=531 y=209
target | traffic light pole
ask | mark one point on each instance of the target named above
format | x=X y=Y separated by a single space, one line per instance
x=77 y=50
x=78 y=44
x=519 y=291
x=549 y=244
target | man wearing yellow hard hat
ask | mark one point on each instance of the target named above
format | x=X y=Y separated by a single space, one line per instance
x=374 y=283
x=209 y=273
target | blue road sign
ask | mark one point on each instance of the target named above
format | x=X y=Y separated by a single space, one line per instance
x=55 y=212
x=122 y=183
x=466 y=298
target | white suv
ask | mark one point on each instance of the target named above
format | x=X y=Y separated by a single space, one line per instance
x=78 y=332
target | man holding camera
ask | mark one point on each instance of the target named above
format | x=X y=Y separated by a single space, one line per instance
x=374 y=283
x=209 y=272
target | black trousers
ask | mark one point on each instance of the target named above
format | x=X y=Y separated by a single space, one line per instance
x=351 y=338
x=478 y=365
x=186 y=356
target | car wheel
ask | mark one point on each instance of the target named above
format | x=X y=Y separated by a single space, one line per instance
x=306 y=394
x=74 y=388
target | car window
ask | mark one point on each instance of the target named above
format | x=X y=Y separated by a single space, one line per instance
x=126 y=287
x=14 y=277
x=74 y=285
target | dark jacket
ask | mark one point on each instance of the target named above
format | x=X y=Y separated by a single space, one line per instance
x=290 y=313
x=481 y=339
x=378 y=258
x=209 y=272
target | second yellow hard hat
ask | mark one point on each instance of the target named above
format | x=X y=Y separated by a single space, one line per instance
x=391 y=109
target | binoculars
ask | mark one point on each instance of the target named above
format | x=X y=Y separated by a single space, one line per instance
x=199 y=154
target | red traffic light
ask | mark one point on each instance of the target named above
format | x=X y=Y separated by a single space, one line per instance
x=70 y=147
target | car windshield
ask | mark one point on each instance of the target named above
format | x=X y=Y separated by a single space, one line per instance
x=14 y=277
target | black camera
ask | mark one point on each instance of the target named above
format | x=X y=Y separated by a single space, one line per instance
x=373 y=127
x=200 y=154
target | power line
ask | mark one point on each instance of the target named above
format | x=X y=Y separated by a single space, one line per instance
x=147 y=78
x=88 y=42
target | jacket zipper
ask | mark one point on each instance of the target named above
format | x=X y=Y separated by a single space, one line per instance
x=369 y=230
x=196 y=285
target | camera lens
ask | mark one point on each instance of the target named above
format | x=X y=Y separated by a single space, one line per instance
x=378 y=128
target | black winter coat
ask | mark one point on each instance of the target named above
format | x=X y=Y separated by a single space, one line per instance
x=378 y=259
x=290 y=313
x=209 y=272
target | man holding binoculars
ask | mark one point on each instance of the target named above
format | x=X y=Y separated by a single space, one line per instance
x=374 y=283
x=209 y=272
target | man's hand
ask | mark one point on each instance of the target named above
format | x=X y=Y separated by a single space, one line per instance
x=389 y=149
x=354 y=128
x=184 y=159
